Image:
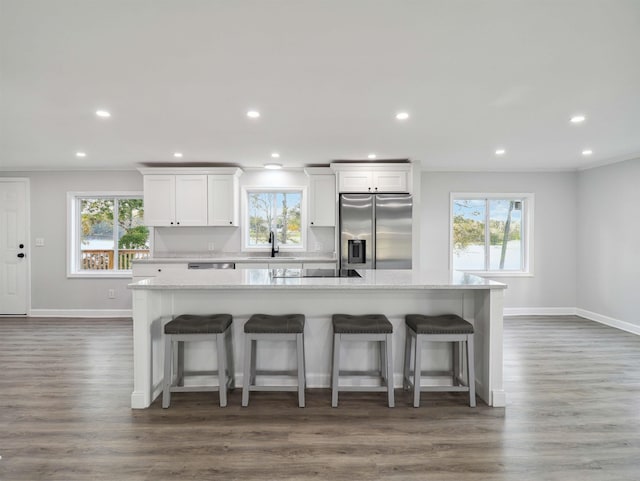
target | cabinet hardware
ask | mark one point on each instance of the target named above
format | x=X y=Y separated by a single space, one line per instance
x=21 y=255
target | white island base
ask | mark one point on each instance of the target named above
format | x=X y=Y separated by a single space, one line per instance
x=242 y=293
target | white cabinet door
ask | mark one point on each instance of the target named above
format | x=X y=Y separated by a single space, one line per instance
x=191 y=200
x=322 y=201
x=390 y=181
x=223 y=195
x=355 y=181
x=159 y=200
x=175 y=200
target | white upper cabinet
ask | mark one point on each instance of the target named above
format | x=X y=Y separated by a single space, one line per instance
x=354 y=181
x=191 y=200
x=191 y=196
x=322 y=200
x=174 y=200
x=224 y=197
x=373 y=178
x=391 y=181
x=159 y=199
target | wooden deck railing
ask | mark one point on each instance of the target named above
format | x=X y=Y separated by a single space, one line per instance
x=103 y=259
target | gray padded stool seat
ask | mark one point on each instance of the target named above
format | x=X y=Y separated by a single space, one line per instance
x=190 y=327
x=265 y=327
x=443 y=328
x=370 y=327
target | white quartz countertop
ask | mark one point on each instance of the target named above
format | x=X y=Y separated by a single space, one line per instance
x=231 y=279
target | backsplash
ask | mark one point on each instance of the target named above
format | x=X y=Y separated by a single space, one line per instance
x=190 y=240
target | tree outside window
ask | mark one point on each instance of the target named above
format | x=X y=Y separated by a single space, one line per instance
x=112 y=233
x=488 y=234
x=276 y=211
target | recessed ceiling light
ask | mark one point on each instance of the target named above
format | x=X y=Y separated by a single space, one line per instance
x=103 y=113
x=81 y=154
x=177 y=155
x=253 y=114
x=275 y=155
x=371 y=156
x=273 y=166
x=587 y=152
x=402 y=115
x=500 y=152
x=576 y=119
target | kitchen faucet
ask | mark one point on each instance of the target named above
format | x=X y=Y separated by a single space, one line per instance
x=272 y=241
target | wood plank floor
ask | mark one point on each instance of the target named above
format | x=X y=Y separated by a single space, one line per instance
x=573 y=413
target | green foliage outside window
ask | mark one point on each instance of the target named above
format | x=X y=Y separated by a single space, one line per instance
x=279 y=212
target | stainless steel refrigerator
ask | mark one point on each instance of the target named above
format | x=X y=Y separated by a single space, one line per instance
x=375 y=231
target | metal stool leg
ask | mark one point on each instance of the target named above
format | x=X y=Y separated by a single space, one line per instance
x=222 y=369
x=471 y=371
x=417 y=371
x=407 y=361
x=336 y=370
x=231 y=370
x=246 y=378
x=166 y=382
x=389 y=368
x=301 y=370
x=383 y=362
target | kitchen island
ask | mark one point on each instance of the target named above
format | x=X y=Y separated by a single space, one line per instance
x=242 y=293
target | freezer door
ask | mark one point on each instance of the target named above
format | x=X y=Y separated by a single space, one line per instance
x=356 y=231
x=393 y=231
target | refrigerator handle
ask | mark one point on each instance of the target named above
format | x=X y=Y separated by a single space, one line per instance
x=374 y=230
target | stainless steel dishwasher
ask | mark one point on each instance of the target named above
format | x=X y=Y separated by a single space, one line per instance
x=211 y=265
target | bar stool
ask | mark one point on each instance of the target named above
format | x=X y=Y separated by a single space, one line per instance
x=264 y=327
x=189 y=327
x=370 y=327
x=444 y=328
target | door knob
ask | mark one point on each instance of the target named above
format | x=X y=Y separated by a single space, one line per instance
x=21 y=255
x=21 y=246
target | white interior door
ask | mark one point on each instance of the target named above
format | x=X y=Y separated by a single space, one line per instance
x=13 y=246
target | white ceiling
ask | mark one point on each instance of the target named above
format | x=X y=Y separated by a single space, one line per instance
x=328 y=77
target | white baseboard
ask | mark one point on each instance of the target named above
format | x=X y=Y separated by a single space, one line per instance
x=609 y=321
x=539 y=311
x=80 y=313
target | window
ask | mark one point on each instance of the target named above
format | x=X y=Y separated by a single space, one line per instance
x=106 y=233
x=278 y=211
x=492 y=233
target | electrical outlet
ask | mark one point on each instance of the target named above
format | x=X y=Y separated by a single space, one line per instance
x=111 y=294
x=211 y=246
x=39 y=242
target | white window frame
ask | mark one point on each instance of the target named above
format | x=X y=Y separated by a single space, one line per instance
x=245 y=217
x=527 y=227
x=73 y=235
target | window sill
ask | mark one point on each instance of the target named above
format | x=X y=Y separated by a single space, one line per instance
x=101 y=275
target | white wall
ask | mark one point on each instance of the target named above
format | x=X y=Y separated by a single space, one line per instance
x=50 y=287
x=554 y=282
x=608 y=248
